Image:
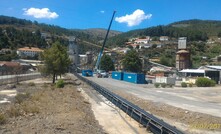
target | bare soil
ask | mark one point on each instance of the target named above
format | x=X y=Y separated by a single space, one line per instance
x=49 y=110
x=187 y=121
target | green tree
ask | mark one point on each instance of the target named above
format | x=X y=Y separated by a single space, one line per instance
x=56 y=60
x=132 y=62
x=106 y=63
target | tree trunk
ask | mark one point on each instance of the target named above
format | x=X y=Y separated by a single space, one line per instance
x=53 y=78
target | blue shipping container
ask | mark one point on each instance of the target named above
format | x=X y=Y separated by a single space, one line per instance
x=87 y=73
x=134 y=78
x=117 y=75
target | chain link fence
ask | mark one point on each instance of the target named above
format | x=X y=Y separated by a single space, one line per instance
x=16 y=78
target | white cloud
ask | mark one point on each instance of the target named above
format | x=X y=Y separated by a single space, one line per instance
x=102 y=11
x=134 y=19
x=40 y=13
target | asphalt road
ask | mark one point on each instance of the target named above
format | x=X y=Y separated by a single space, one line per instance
x=202 y=100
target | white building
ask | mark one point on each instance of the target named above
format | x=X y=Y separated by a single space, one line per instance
x=141 y=41
x=164 y=38
x=29 y=51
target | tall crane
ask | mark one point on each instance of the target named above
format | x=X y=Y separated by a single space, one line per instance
x=102 y=48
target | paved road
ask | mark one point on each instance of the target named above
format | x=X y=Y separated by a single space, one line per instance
x=203 y=100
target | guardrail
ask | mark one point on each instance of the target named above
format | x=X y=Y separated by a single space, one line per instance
x=147 y=120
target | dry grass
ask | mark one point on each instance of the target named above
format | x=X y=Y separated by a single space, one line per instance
x=2 y=119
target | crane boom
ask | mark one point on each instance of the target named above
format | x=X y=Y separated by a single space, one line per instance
x=105 y=39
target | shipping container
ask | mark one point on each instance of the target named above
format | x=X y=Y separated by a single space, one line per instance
x=134 y=78
x=117 y=75
x=87 y=73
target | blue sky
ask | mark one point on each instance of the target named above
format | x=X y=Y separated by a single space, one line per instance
x=130 y=15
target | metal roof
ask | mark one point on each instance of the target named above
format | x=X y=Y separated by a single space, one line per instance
x=192 y=71
x=214 y=67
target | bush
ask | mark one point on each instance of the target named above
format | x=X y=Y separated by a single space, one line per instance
x=31 y=84
x=14 y=111
x=170 y=85
x=2 y=119
x=163 y=85
x=60 y=84
x=205 y=82
x=156 y=85
x=20 y=97
x=190 y=84
x=183 y=84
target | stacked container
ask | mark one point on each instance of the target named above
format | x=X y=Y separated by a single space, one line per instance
x=117 y=75
x=134 y=78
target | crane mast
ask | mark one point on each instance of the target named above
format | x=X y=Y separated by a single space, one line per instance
x=102 y=48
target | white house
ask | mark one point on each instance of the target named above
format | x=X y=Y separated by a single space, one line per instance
x=141 y=41
x=164 y=38
x=29 y=51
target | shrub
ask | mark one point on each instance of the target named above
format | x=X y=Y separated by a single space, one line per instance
x=183 y=84
x=156 y=85
x=2 y=118
x=205 y=82
x=14 y=111
x=27 y=108
x=20 y=97
x=170 y=85
x=31 y=84
x=60 y=84
x=163 y=85
x=190 y=84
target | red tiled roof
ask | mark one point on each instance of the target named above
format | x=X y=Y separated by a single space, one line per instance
x=9 y=64
x=35 y=49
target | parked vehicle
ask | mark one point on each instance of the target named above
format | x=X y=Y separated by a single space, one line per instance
x=102 y=74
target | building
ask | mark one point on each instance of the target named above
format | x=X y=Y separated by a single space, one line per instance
x=164 y=38
x=141 y=41
x=213 y=72
x=183 y=59
x=7 y=68
x=29 y=51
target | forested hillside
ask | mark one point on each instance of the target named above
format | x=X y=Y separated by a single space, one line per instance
x=194 y=30
x=15 y=33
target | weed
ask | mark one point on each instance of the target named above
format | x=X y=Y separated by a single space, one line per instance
x=183 y=84
x=156 y=85
x=2 y=118
x=14 y=111
x=20 y=97
x=163 y=85
x=31 y=84
x=60 y=84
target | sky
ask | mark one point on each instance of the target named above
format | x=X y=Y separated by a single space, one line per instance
x=130 y=14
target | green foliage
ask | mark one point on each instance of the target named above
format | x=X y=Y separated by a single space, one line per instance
x=106 y=63
x=205 y=82
x=183 y=84
x=131 y=62
x=157 y=85
x=163 y=85
x=56 y=60
x=60 y=84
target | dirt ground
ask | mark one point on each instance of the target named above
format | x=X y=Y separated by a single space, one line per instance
x=45 y=109
x=187 y=121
